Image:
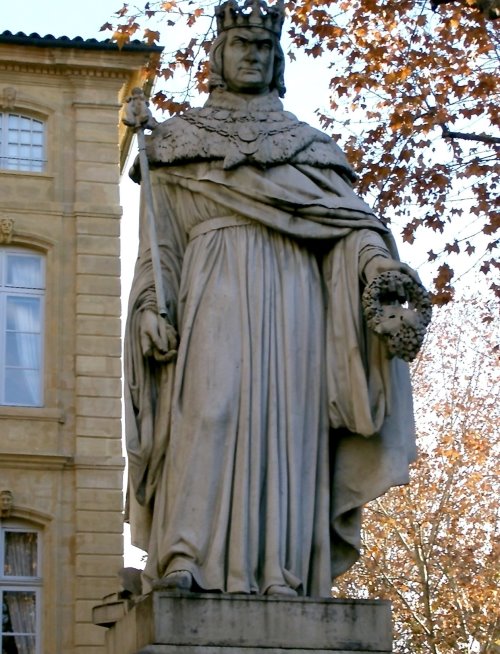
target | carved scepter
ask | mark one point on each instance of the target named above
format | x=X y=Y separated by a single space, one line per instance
x=138 y=117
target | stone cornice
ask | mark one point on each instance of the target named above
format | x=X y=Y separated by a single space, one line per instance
x=31 y=461
x=95 y=463
x=28 y=513
x=77 y=210
x=73 y=57
x=39 y=414
x=40 y=461
x=63 y=70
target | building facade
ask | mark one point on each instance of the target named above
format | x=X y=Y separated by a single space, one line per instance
x=61 y=465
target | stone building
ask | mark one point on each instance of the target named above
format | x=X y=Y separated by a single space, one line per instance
x=61 y=465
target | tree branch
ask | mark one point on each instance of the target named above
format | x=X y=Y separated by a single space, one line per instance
x=483 y=138
x=412 y=610
x=489 y=8
x=423 y=571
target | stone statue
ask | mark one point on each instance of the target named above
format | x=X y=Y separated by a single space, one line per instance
x=6 y=503
x=261 y=412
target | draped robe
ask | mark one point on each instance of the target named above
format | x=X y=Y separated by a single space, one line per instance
x=251 y=455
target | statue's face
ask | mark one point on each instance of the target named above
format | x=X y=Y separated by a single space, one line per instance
x=248 y=60
x=5 y=500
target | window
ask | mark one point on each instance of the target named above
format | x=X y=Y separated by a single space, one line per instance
x=20 y=590
x=22 y=281
x=21 y=143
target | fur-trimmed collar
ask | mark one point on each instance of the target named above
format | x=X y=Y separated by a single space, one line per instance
x=243 y=130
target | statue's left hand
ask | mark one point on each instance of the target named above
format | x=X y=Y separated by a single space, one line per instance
x=379 y=265
x=396 y=306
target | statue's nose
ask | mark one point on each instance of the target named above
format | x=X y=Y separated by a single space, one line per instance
x=252 y=53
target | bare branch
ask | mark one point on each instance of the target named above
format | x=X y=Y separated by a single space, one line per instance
x=482 y=138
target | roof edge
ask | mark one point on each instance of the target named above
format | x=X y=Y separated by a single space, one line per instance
x=78 y=42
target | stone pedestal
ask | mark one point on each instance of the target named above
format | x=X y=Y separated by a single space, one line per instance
x=188 y=623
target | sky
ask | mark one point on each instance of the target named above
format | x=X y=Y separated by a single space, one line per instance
x=57 y=17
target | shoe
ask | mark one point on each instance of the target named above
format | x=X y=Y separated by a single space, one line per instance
x=283 y=591
x=178 y=580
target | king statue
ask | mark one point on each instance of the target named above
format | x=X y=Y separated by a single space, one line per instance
x=262 y=409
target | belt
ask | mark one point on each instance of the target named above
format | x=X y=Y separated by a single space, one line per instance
x=217 y=223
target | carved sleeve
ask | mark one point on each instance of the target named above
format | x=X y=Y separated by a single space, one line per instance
x=372 y=246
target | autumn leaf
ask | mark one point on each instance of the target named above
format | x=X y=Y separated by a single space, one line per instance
x=121 y=38
x=151 y=36
x=452 y=247
x=121 y=12
x=444 y=276
x=470 y=249
x=496 y=289
x=408 y=234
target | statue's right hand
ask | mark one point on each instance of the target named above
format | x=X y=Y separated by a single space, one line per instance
x=158 y=338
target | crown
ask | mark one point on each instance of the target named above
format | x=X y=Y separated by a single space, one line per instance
x=253 y=13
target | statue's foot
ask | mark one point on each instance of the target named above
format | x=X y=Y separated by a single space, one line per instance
x=283 y=591
x=178 y=580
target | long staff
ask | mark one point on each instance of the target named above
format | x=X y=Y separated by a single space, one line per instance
x=138 y=116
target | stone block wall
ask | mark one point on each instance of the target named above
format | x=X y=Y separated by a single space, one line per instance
x=63 y=461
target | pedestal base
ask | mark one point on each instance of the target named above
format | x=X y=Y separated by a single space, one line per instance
x=189 y=623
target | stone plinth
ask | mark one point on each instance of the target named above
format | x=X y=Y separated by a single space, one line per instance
x=186 y=623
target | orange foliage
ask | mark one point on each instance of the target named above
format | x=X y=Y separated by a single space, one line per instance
x=432 y=547
x=414 y=102
x=426 y=90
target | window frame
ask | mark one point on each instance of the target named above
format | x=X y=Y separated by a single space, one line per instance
x=28 y=583
x=32 y=165
x=19 y=291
